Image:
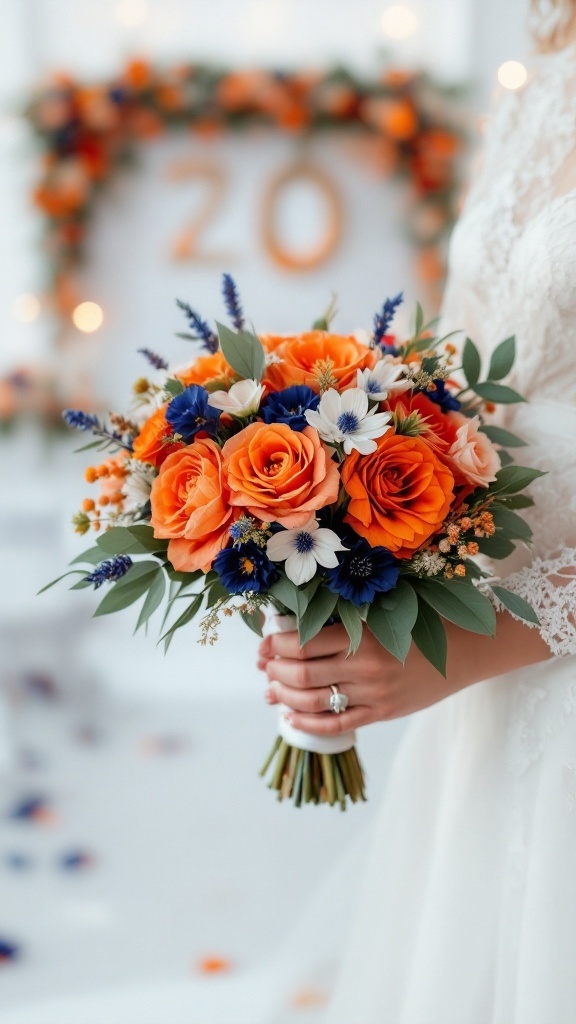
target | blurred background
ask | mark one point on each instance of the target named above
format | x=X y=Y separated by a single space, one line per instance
x=309 y=147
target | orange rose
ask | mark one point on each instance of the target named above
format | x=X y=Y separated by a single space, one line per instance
x=439 y=431
x=399 y=495
x=304 y=356
x=191 y=506
x=280 y=474
x=208 y=368
x=150 y=444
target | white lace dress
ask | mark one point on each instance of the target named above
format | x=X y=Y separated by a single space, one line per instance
x=468 y=912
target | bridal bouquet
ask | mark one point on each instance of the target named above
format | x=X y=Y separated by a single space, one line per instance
x=318 y=476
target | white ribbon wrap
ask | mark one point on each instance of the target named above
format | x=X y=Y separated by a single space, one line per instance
x=295 y=737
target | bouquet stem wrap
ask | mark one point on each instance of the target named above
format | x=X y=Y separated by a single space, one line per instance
x=311 y=769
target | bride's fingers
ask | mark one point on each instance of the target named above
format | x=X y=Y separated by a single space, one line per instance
x=329 y=724
x=318 y=700
x=307 y=675
x=330 y=640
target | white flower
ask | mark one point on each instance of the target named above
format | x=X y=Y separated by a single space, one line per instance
x=345 y=419
x=137 y=486
x=385 y=379
x=242 y=399
x=303 y=549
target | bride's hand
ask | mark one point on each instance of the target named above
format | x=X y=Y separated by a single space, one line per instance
x=377 y=686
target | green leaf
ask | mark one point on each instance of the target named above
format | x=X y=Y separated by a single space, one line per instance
x=511 y=479
x=352 y=622
x=496 y=546
x=514 y=526
x=153 y=599
x=505 y=458
x=183 y=577
x=503 y=437
x=186 y=617
x=317 y=614
x=471 y=364
x=130 y=540
x=518 y=501
x=243 y=351
x=81 y=585
x=92 y=556
x=460 y=603
x=391 y=619
x=72 y=572
x=419 y=320
x=86 y=447
x=216 y=593
x=429 y=636
x=173 y=387
x=253 y=621
x=517 y=605
x=502 y=359
x=288 y=594
x=129 y=589
x=498 y=393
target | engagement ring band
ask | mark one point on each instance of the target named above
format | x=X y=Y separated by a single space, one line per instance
x=338 y=701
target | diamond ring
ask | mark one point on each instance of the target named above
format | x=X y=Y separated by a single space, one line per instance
x=338 y=701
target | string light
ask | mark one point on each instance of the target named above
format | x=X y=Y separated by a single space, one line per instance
x=26 y=308
x=512 y=74
x=88 y=317
x=399 y=22
x=131 y=12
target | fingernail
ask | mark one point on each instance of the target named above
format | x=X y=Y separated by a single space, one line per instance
x=270 y=697
x=287 y=717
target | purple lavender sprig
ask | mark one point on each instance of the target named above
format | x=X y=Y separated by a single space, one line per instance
x=80 y=420
x=111 y=569
x=232 y=301
x=383 y=320
x=202 y=330
x=156 y=361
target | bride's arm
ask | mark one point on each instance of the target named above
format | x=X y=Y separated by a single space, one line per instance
x=379 y=687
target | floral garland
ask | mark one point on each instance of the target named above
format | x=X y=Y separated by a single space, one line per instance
x=88 y=131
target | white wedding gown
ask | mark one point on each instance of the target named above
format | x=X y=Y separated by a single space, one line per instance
x=468 y=907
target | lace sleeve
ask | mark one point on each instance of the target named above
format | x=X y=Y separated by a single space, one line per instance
x=549 y=586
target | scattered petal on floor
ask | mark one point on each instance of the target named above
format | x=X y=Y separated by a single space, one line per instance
x=8 y=951
x=76 y=860
x=308 y=998
x=214 y=965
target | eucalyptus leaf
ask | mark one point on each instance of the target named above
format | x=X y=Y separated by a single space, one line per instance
x=71 y=572
x=253 y=621
x=471 y=364
x=186 y=617
x=496 y=546
x=460 y=603
x=129 y=540
x=503 y=437
x=429 y=635
x=514 y=526
x=216 y=593
x=289 y=595
x=511 y=479
x=352 y=622
x=92 y=556
x=316 y=615
x=517 y=501
x=125 y=592
x=500 y=394
x=517 y=605
x=243 y=351
x=502 y=359
x=153 y=599
x=391 y=619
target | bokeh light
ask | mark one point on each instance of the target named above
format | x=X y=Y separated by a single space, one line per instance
x=399 y=22
x=88 y=317
x=131 y=12
x=512 y=74
x=26 y=308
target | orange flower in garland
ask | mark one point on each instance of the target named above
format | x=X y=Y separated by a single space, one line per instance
x=191 y=506
x=206 y=369
x=279 y=474
x=150 y=444
x=317 y=359
x=400 y=494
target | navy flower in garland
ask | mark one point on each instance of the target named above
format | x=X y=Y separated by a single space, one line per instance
x=189 y=413
x=245 y=567
x=363 y=572
x=289 y=406
x=443 y=397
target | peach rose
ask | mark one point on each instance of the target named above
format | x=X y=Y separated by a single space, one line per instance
x=150 y=444
x=472 y=454
x=191 y=507
x=302 y=356
x=280 y=474
x=400 y=494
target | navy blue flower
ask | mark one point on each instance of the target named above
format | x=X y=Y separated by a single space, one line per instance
x=156 y=361
x=232 y=301
x=245 y=567
x=383 y=320
x=189 y=413
x=112 y=569
x=443 y=397
x=288 y=406
x=203 y=331
x=80 y=420
x=363 y=572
